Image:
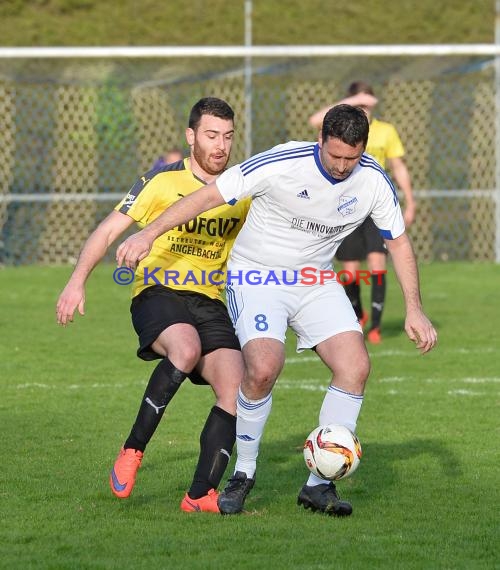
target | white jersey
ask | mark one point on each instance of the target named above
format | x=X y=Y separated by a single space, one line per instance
x=300 y=214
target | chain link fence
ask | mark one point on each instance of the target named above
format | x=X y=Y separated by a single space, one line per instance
x=77 y=132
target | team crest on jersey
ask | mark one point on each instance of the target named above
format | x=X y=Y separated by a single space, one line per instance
x=347 y=205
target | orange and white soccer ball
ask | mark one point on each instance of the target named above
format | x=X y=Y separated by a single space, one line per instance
x=332 y=452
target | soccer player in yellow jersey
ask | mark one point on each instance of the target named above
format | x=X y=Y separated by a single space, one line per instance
x=366 y=242
x=176 y=307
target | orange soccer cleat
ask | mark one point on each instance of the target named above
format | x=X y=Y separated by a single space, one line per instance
x=205 y=504
x=122 y=476
x=364 y=319
x=374 y=336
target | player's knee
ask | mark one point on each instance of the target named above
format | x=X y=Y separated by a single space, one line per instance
x=185 y=357
x=261 y=374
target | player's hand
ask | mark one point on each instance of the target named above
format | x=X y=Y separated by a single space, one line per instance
x=70 y=299
x=409 y=214
x=421 y=331
x=133 y=249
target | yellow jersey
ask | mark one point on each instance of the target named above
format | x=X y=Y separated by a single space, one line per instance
x=383 y=142
x=192 y=256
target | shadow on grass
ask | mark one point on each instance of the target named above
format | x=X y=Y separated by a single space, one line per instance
x=382 y=470
x=395 y=328
x=281 y=472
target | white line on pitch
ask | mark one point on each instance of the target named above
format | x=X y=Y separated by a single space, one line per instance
x=480 y=380
x=466 y=393
x=385 y=353
x=31 y=385
x=318 y=383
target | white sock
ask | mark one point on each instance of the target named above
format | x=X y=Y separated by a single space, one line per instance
x=341 y=408
x=251 y=418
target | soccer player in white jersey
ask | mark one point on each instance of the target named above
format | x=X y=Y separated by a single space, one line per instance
x=306 y=197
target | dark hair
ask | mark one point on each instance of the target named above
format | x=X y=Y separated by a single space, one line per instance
x=347 y=123
x=209 y=106
x=360 y=87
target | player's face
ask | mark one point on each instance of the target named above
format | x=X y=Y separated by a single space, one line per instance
x=339 y=158
x=211 y=143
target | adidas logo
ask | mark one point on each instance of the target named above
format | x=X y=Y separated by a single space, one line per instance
x=303 y=194
x=245 y=437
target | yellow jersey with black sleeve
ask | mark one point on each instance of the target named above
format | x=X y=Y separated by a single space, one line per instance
x=384 y=142
x=192 y=256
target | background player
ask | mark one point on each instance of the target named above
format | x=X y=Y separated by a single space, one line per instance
x=172 y=155
x=186 y=326
x=384 y=144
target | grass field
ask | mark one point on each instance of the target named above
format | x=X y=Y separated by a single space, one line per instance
x=425 y=495
x=221 y=22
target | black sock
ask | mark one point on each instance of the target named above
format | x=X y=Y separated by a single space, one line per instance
x=162 y=386
x=216 y=445
x=378 y=298
x=353 y=291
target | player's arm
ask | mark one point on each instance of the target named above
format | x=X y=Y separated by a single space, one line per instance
x=418 y=327
x=96 y=246
x=138 y=246
x=402 y=178
x=316 y=120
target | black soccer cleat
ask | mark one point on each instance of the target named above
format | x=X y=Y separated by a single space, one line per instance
x=324 y=498
x=232 y=498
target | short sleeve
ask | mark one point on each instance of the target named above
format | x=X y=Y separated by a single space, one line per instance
x=395 y=147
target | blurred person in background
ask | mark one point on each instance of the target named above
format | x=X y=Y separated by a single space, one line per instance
x=384 y=144
x=171 y=156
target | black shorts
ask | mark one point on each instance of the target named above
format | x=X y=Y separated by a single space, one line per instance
x=158 y=307
x=364 y=240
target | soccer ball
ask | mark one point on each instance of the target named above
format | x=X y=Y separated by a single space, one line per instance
x=332 y=452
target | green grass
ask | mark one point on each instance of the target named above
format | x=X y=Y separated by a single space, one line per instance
x=220 y=22
x=425 y=495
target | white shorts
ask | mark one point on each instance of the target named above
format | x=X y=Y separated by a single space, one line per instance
x=314 y=313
